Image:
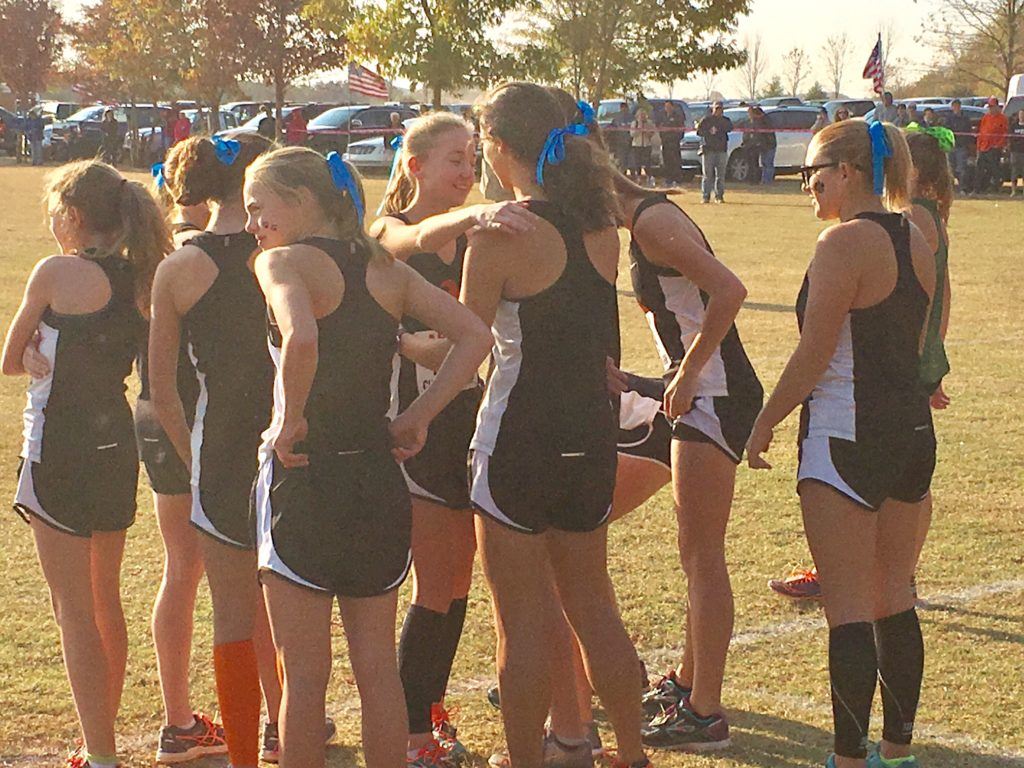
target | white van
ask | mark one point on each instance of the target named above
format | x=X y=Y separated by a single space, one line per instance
x=1014 y=95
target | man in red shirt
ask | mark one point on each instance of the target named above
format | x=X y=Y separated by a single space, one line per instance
x=182 y=128
x=992 y=135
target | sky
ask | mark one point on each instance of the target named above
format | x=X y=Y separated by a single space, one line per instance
x=784 y=24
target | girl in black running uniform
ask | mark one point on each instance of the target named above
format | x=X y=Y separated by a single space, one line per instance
x=424 y=226
x=544 y=450
x=332 y=507
x=206 y=298
x=79 y=471
x=867 y=450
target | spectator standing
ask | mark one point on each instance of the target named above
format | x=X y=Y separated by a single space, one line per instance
x=1017 y=152
x=672 y=127
x=182 y=128
x=267 y=126
x=621 y=142
x=295 y=127
x=902 y=118
x=766 y=145
x=991 y=144
x=111 y=137
x=929 y=118
x=842 y=114
x=912 y=114
x=960 y=125
x=167 y=129
x=641 y=136
x=714 y=133
x=34 y=135
x=820 y=121
x=887 y=112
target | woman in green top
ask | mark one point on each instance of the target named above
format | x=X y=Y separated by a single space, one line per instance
x=932 y=187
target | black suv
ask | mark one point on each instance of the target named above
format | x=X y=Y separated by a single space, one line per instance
x=330 y=130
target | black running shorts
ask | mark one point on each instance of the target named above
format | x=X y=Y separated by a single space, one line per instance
x=342 y=525
x=167 y=473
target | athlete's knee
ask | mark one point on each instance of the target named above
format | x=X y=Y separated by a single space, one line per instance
x=699 y=557
x=305 y=674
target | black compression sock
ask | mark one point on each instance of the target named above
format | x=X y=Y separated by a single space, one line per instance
x=454 y=622
x=900 y=649
x=852 y=668
x=421 y=663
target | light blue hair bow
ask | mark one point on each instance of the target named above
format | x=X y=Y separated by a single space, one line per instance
x=553 y=152
x=158 y=174
x=226 y=149
x=343 y=180
x=586 y=112
x=395 y=144
x=880 y=150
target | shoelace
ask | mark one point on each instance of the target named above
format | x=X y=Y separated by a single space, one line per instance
x=432 y=752
x=802 y=577
x=77 y=759
x=209 y=736
x=441 y=719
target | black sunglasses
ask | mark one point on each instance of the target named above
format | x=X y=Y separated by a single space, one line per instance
x=807 y=171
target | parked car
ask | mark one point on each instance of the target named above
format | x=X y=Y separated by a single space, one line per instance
x=609 y=108
x=792 y=139
x=780 y=101
x=52 y=111
x=856 y=107
x=252 y=125
x=942 y=110
x=245 y=110
x=151 y=137
x=80 y=135
x=331 y=130
x=373 y=154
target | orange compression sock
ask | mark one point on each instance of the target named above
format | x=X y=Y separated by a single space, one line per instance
x=238 y=692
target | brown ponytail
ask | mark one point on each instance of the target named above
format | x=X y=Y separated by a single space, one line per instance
x=114 y=206
x=193 y=174
x=522 y=115
x=934 y=179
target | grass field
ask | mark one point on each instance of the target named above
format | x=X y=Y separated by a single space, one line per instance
x=971 y=576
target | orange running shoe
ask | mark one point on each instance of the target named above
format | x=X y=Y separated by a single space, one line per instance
x=799 y=585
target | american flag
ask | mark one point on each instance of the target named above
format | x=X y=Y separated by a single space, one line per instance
x=874 y=70
x=367 y=82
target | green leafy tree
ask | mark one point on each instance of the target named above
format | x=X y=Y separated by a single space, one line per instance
x=29 y=37
x=774 y=88
x=442 y=44
x=596 y=47
x=287 y=40
x=816 y=92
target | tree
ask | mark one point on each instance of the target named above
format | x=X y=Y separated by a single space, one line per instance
x=287 y=40
x=708 y=79
x=982 y=39
x=835 y=52
x=755 y=62
x=816 y=92
x=774 y=88
x=29 y=35
x=596 y=47
x=440 y=43
x=795 y=65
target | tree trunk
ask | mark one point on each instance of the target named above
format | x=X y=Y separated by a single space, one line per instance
x=436 y=98
x=279 y=86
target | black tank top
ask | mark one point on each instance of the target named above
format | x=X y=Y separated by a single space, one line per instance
x=226 y=330
x=873 y=377
x=348 y=404
x=549 y=381
x=435 y=271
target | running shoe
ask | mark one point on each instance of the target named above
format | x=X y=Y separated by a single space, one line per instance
x=683 y=729
x=665 y=694
x=558 y=754
x=875 y=760
x=78 y=759
x=271 y=752
x=799 y=585
x=178 y=745
x=431 y=755
x=446 y=734
x=494 y=697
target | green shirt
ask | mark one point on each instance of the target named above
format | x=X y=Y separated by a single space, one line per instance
x=934 y=363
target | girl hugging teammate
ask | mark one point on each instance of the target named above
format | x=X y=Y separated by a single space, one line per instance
x=424 y=227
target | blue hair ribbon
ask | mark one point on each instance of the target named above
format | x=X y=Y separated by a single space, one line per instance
x=880 y=150
x=396 y=145
x=343 y=180
x=226 y=149
x=553 y=152
x=586 y=112
x=158 y=175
